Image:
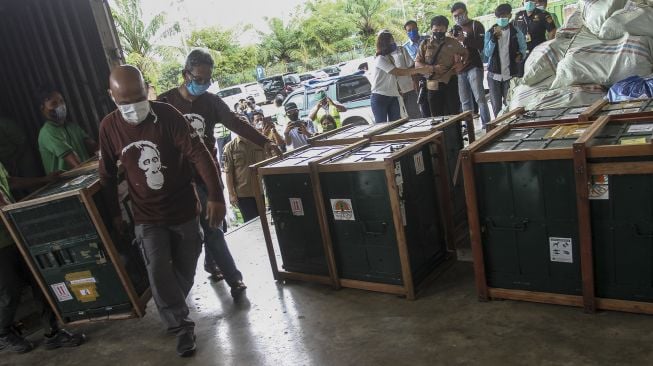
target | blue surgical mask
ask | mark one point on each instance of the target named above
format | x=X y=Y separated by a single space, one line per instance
x=413 y=34
x=503 y=22
x=195 y=89
x=529 y=6
x=393 y=47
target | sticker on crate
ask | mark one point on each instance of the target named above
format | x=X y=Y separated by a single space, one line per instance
x=61 y=292
x=561 y=250
x=399 y=179
x=599 y=187
x=83 y=285
x=640 y=127
x=342 y=210
x=403 y=212
x=632 y=140
x=296 y=206
x=419 y=163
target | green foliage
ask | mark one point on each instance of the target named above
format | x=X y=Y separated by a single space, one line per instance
x=140 y=41
x=321 y=33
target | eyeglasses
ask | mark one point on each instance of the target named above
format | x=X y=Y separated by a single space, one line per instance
x=199 y=79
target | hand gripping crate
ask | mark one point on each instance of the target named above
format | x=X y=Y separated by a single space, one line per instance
x=528 y=239
x=456 y=130
x=381 y=203
x=65 y=234
x=293 y=197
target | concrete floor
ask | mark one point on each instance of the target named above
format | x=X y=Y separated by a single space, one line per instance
x=306 y=324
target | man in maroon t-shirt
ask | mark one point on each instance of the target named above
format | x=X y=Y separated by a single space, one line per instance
x=156 y=147
x=203 y=111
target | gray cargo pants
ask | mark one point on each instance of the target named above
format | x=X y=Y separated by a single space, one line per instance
x=170 y=253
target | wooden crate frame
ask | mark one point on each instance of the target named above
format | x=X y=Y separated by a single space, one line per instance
x=323 y=139
x=459 y=118
x=408 y=289
x=259 y=171
x=85 y=195
x=458 y=230
x=472 y=155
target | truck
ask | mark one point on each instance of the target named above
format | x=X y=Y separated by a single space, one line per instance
x=353 y=91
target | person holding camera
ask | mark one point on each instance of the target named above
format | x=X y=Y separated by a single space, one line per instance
x=471 y=34
x=297 y=131
x=447 y=57
x=505 y=48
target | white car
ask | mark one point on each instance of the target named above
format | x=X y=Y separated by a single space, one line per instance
x=233 y=94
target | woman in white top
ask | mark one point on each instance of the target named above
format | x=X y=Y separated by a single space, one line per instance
x=385 y=92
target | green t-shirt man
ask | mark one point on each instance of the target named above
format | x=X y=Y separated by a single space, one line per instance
x=5 y=199
x=58 y=140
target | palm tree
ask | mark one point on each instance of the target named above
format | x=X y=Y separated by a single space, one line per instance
x=367 y=14
x=281 y=43
x=140 y=41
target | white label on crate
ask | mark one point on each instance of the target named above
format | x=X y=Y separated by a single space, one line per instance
x=399 y=178
x=419 y=163
x=561 y=250
x=342 y=209
x=296 y=206
x=403 y=213
x=82 y=281
x=599 y=188
x=641 y=127
x=61 y=292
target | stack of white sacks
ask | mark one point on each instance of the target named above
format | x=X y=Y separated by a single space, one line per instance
x=603 y=42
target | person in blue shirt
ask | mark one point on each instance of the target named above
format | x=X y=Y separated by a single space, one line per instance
x=505 y=48
x=412 y=46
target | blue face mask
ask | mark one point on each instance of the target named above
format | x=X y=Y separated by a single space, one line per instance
x=393 y=47
x=529 y=6
x=413 y=35
x=503 y=22
x=195 y=89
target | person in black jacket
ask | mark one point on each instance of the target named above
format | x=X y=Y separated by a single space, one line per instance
x=471 y=34
x=505 y=49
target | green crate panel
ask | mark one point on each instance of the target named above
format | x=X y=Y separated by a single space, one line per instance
x=521 y=206
x=622 y=238
x=365 y=249
x=300 y=240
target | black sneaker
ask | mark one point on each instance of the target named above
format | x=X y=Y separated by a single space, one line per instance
x=12 y=342
x=186 y=344
x=63 y=338
x=237 y=289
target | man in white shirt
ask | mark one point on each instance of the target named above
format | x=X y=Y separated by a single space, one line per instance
x=297 y=131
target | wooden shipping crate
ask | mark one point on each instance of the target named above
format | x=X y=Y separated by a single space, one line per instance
x=292 y=190
x=86 y=270
x=381 y=203
x=458 y=131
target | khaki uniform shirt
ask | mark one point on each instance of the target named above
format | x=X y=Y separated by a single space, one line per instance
x=239 y=154
x=446 y=57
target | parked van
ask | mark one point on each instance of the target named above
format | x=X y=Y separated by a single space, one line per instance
x=233 y=94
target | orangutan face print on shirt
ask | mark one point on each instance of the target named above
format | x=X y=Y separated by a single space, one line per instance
x=198 y=124
x=149 y=162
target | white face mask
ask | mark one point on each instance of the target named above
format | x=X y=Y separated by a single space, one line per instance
x=135 y=113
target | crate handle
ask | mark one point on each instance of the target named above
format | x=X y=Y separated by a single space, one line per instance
x=519 y=226
x=385 y=229
x=639 y=233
